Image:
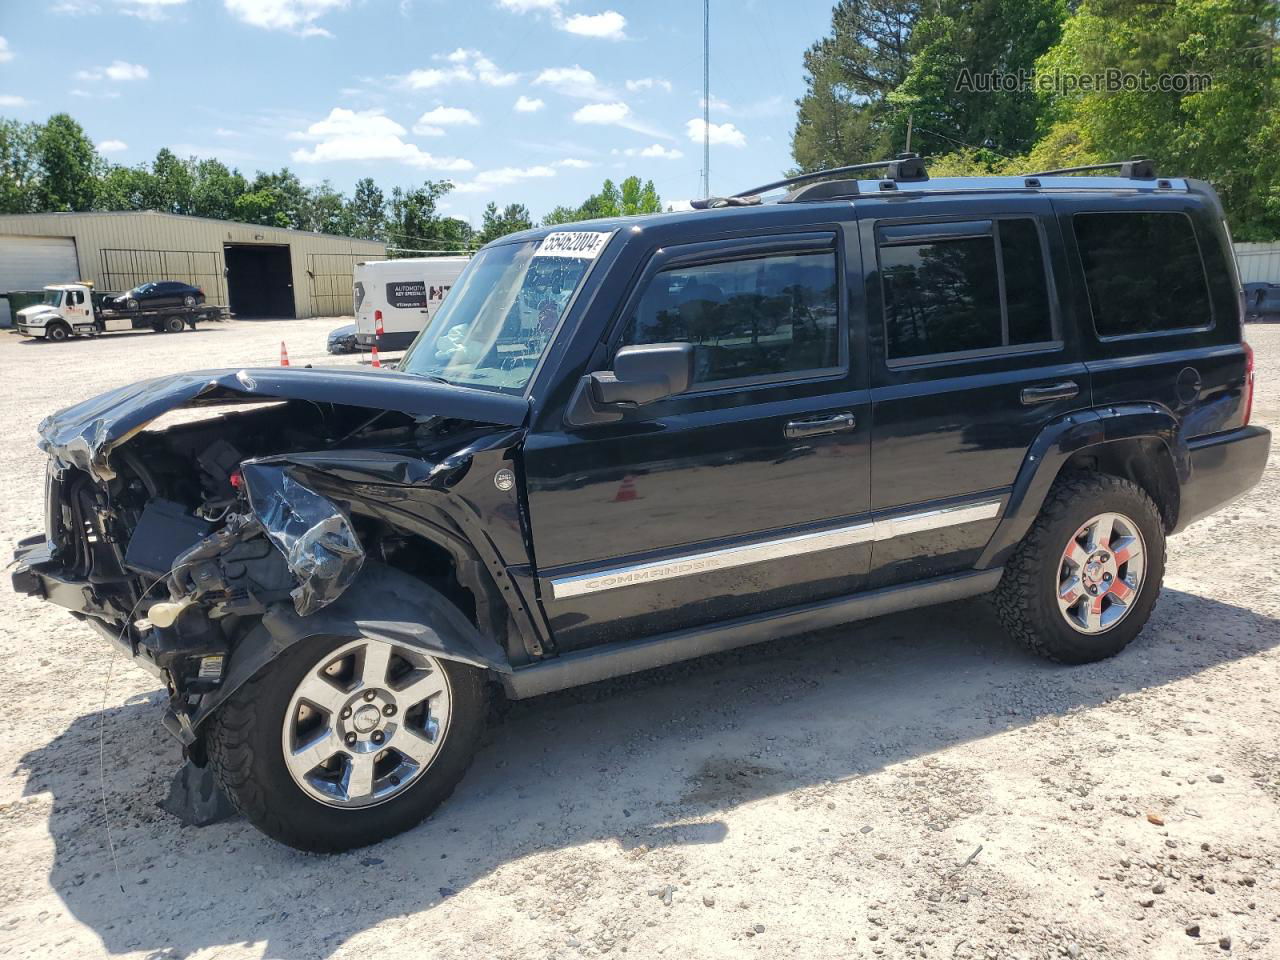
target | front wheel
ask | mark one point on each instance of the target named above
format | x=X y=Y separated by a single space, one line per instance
x=342 y=742
x=1082 y=583
x=57 y=332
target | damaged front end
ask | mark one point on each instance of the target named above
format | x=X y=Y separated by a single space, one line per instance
x=179 y=543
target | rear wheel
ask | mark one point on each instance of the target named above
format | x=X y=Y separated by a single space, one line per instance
x=174 y=324
x=57 y=332
x=1082 y=583
x=342 y=742
x=188 y=301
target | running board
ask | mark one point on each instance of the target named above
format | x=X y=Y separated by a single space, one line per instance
x=618 y=659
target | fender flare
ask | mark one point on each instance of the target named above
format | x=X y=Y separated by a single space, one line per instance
x=1062 y=439
x=383 y=603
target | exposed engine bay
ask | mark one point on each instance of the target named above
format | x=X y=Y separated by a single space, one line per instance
x=177 y=542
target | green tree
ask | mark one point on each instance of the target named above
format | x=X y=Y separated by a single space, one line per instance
x=638 y=198
x=66 y=162
x=1227 y=133
x=367 y=210
x=559 y=215
x=844 y=115
x=327 y=210
x=123 y=188
x=216 y=190
x=274 y=199
x=954 y=49
x=18 y=166
x=498 y=223
x=173 y=182
x=412 y=220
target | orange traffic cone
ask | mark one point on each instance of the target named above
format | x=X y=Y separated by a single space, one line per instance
x=376 y=361
x=627 y=491
x=284 y=355
x=378 y=329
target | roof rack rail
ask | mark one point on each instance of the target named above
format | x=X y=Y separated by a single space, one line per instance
x=906 y=167
x=1135 y=168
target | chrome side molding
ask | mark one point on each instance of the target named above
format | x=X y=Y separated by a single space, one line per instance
x=777 y=549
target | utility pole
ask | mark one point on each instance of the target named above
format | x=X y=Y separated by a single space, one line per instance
x=910 y=118
x=707 y=97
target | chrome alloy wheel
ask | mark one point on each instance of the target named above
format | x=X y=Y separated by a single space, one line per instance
x=365 y=723
x=1101 y=572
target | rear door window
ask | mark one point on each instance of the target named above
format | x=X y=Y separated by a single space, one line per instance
x=1143 y=271
x=963 y=289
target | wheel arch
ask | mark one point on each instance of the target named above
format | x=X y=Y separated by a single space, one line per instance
x=1139 y=442
x=382 y=602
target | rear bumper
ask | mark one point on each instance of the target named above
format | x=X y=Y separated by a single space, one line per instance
x=1224 y=467
x=399 y=340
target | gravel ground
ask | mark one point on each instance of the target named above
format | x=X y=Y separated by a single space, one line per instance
x=914 y=786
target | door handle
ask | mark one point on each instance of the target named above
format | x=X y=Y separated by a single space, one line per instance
x=1053 y=391
x=816 y=427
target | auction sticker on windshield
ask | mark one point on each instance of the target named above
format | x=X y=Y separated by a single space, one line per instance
x=583 y=244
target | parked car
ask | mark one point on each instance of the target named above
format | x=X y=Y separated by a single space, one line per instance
x=628 y=442
x=163 y=293
x=1262 y=301
x=343 y=339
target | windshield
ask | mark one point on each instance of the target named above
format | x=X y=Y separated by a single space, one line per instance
x=52 y=298
x=500 y=316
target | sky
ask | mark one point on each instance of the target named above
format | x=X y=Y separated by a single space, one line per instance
x=532 y=101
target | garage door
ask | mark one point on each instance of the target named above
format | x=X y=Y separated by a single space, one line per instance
x=28 y=263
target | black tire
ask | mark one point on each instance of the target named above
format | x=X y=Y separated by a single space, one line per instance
x=57 y=332
x=245 y=751
x=174 y=324
x=131 y=304
x=1026 y=598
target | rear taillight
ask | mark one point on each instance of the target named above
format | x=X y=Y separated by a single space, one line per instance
x=1248 y=383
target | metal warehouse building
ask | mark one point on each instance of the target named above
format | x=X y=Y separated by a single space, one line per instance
x=256 y=271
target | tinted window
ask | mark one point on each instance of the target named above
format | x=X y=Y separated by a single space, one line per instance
x=1143 y=271
x=170 y=287
x=766 y=316
x=942 y=295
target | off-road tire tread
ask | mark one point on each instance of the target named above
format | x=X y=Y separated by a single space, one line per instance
x=233 y=760
x=1014 y=597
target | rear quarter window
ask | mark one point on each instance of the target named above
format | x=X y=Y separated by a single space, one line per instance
x=1143 y=271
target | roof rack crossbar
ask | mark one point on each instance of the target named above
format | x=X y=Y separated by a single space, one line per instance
x=904 y=167
x=1135 y=168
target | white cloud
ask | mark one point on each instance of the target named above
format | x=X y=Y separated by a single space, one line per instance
x=433 y=122
x=12 y=100
x=616 y=114
x=99 y=94
x=75 y=8
x=655 y=150
x=112 y=146
x=527 y=6
x=148 y=9
x=467 y=66
x=609 y=25
x=294 y=16
x=573 y=81
x=528 y=104
x=765 y=107
x=350 y=135
x=5 y=53
x=725 y=134
x=224 y=132
x=117 y=70
x=574 y=163
x=487 y=180
x=649 y=83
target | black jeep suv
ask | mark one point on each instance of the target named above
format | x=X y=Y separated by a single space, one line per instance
x=629 y=442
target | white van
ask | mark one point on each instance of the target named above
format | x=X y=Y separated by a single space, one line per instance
x=408 y=292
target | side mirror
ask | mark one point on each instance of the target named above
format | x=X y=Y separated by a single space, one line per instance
x=645 y=373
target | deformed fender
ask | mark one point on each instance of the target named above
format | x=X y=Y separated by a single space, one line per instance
x=1058 y=442
x=382 y=603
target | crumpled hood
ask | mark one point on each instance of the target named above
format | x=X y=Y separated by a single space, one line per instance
x=84 y=435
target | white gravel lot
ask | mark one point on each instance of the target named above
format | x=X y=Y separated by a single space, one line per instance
x=812 y=797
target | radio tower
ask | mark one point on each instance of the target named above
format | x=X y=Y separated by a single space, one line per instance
x=706 y=98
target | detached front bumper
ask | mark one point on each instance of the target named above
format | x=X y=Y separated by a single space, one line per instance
x=1224 y=467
